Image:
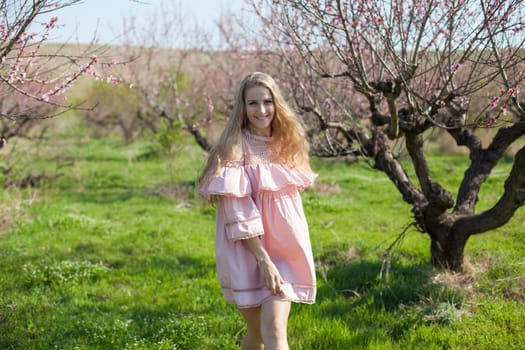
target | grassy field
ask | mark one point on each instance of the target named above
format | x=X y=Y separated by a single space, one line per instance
x=118 y=253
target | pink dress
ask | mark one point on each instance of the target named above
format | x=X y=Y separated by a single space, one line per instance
x=258 y=197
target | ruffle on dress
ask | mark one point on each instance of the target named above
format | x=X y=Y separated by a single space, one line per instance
x=235 y=180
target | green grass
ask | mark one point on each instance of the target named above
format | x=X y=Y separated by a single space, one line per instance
x=118 y=253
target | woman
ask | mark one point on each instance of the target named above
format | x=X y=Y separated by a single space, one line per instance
x=255 y=172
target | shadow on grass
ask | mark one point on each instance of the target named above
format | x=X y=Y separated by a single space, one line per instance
x=361 y=280
x=356 y=297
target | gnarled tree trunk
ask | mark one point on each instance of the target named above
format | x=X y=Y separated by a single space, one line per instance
x=450 y=233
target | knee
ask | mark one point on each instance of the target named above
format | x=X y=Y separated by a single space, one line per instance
x=274 y=330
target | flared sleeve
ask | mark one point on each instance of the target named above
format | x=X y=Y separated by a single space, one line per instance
x=242 y=219
x=229 y=181
x=236 y=209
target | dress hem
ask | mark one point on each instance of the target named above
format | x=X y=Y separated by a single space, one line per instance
x=308 y=292
x=298 y=301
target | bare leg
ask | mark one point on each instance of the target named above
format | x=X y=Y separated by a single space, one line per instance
x=274 y=323
x=252 y=339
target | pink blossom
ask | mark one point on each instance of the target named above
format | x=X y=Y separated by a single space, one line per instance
x=494 y=102
x=95 y=75
x=112 y=80
x=327 y=103
x=209 y=103
x=52 y=22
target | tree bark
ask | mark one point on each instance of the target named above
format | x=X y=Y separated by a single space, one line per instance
x=447 y=249
x=512 y=199
x=483 y=161
x=199 y=138
x=449 y=235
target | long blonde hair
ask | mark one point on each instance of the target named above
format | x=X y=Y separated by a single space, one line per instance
x=289 y=143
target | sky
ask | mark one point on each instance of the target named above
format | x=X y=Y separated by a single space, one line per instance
x=78 y=23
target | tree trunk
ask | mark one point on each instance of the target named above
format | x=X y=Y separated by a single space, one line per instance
x=449 y=234
x=447 y=249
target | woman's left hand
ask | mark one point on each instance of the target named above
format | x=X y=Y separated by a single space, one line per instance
x=270 y=276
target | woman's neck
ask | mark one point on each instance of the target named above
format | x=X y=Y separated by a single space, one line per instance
x=266 y=132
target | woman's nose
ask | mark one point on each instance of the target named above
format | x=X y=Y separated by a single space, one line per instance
x=261 y=108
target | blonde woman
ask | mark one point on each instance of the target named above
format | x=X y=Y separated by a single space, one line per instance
x=255 y=172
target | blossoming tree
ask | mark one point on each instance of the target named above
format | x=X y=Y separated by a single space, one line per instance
x=33 y=76
x=183 y=77
x=370 y=74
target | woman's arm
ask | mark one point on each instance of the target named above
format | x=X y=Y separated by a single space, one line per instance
x=243 y=223
x=270 y=276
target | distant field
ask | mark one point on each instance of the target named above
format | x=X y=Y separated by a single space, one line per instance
x=118 y=253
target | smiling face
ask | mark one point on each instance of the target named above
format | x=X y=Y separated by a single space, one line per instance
x=260 y=110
